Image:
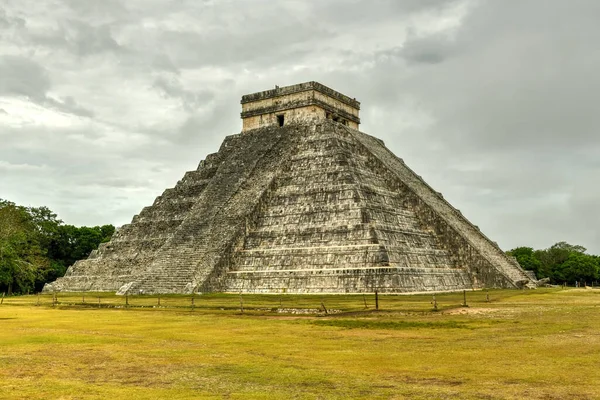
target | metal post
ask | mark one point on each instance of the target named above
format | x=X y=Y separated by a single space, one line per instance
x=159 y=300
x=465 y=299
x=192 y=301
x=83 y=298
x=241 y=303
x=487 y=295
x=38 y=299
x=376 y=300
x=126 y=300
x=98 y=301
x=365 y=301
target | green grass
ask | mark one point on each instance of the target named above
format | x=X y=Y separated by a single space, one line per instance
x=394 y=325
x=541 y=344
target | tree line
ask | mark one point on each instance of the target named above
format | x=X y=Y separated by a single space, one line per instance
x=561 y=263
x=36 y=247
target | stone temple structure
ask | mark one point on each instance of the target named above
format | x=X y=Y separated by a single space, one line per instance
x=300 y=201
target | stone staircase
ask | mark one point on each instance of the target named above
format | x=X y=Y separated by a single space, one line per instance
x=134 y=246
x=331 y=225
x=189 y=258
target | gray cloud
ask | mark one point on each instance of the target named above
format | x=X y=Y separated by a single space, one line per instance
x=22 y=77
x=511 y=112
x=86 y=39
x=8 y=22
x=191 y=101
x=433 y=49
x=494 y=104
x=108 y=10
x=342 y=13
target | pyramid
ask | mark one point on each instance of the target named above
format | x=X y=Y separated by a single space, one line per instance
x=300 y=201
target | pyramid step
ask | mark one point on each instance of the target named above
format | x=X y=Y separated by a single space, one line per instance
x=306 y=207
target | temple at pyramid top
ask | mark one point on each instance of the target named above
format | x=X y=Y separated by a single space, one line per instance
x=309 y=101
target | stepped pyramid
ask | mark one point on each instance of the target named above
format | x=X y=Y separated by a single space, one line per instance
x=300 y=202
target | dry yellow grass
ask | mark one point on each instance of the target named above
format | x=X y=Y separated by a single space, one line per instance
x=542 y=344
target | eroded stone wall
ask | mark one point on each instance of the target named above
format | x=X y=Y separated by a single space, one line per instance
x=298 y=103
x=304 y=114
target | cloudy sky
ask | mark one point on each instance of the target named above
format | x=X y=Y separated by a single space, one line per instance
x=105 y=103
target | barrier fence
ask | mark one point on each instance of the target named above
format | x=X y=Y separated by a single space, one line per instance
x=268 y=303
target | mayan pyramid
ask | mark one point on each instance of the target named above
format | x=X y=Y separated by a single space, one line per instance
x=300 y=201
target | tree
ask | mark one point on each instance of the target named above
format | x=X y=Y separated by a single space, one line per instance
x=75 y=243
x=21 y=256
x=528 y=260
x=36 y=247
x=564 y=262
x=577 y=268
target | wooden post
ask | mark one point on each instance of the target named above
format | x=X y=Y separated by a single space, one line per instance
x=53 y=299
x=2 y=300
x=83 y=298
x=323 y=305
x=376 y=300
x=98 y=301
x=159 y=299
x=365 y=301
x=487 y=295
x=435 y=307
x=192 y=301
x=38 y=299
x=126 y=300
x=241 y=303
x=465 y=299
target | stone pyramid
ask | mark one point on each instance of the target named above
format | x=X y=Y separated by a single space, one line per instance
x=300 y=202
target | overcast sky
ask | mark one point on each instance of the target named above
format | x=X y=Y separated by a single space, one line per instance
x=105 y=103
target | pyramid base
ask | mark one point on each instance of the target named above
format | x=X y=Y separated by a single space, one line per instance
x=349 y=280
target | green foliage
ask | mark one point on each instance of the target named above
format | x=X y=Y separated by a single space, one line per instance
x=527 y=258
x=562 y=263
x=36 y=247
x=73 y=243
x=21 y=256
x=577 y=267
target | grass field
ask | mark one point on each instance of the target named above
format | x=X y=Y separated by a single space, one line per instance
x=541 y=344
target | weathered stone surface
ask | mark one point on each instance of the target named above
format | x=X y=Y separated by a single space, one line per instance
x=309 y=101
x=311 y=207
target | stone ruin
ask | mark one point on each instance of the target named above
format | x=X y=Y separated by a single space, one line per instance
x=300 y=201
